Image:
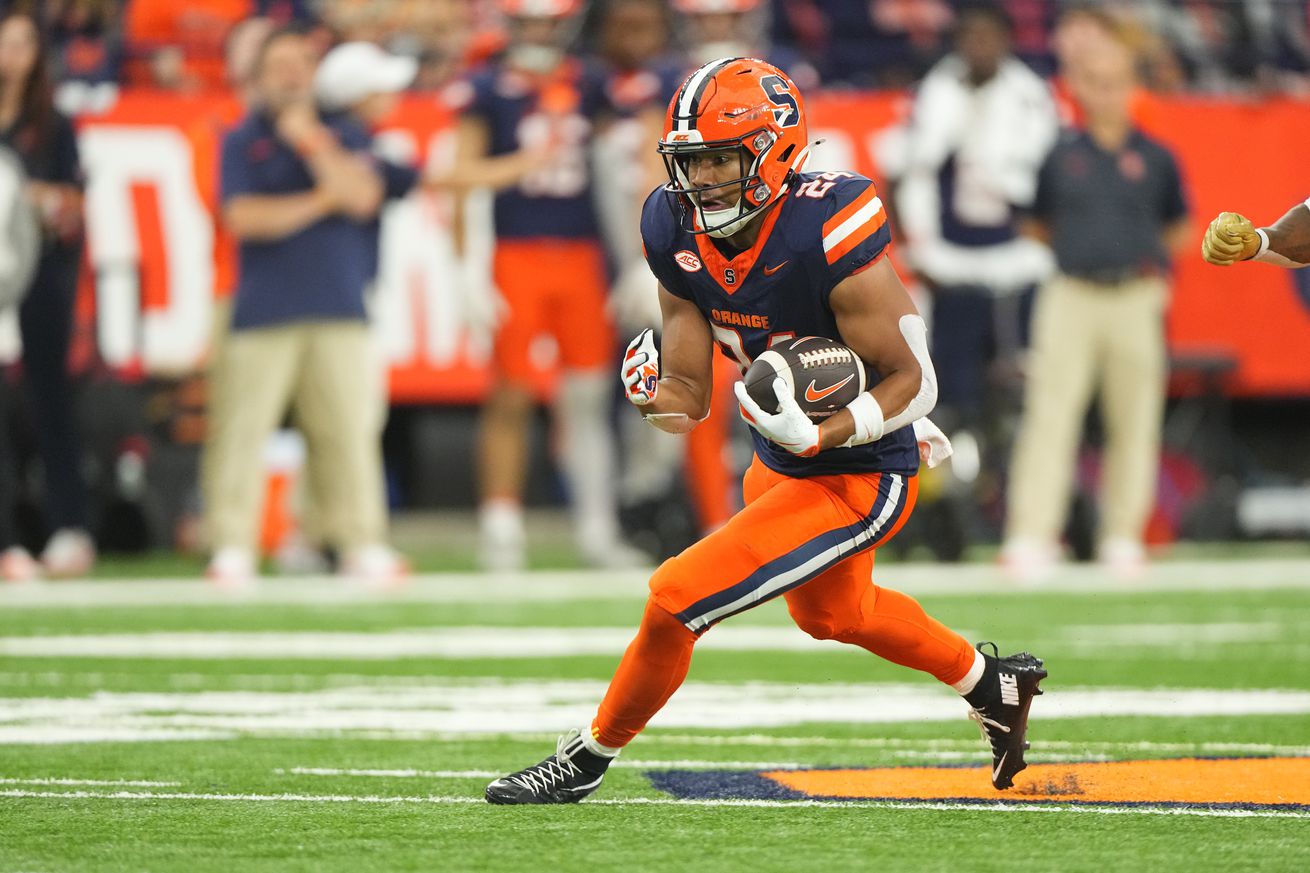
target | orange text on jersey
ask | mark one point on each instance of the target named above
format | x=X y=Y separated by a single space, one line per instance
x=740 y=319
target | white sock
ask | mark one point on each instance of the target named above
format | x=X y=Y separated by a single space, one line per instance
x=591 y=744
x=587 y=455
x=970 y=680
x=501 y=520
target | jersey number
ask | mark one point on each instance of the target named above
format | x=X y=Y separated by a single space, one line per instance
x=820 y=186
x=788 y=113
x=730 y=342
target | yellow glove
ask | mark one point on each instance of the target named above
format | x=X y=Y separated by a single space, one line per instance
x=1230 y=238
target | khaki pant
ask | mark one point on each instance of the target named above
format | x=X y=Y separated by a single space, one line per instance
x=326 y=369
x=1089 y=338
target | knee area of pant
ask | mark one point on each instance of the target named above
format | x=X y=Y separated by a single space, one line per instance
x=818 y=625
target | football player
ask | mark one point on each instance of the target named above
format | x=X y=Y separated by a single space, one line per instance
x=1231 y=238
x=749 y=249
x=525 y=131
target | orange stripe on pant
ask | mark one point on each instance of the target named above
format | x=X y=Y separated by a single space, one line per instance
x=810 y=540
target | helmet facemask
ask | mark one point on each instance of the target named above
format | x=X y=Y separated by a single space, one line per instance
x=753 y=194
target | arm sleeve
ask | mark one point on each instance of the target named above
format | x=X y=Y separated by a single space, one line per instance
x=234 y=176
x=656 y=245
x=855 y=229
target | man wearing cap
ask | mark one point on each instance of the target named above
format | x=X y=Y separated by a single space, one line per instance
x=301 y=193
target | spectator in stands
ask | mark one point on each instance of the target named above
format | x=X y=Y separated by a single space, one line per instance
x=1110 y=203
x=982 y=123
x=45 y=141
x=525 y=131
x=300 y=192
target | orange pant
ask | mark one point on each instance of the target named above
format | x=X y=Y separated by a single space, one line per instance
x=810 y=540
x=555 y=287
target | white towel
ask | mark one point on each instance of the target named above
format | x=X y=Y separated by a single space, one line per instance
x=934 y=447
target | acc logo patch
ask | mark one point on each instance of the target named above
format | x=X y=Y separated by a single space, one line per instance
x=687 y=261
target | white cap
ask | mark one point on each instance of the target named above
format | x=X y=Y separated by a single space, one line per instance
x=355 y=70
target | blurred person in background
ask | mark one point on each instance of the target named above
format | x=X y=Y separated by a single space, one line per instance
x=46 y=144
x=865 y=43
x=712 y=29
x=300 y=192
x=632 y=41
x=982 y=122
x=179 y=46
x=362 y=81
x=1232 y=238
x=525 y=131
x=1111 y=205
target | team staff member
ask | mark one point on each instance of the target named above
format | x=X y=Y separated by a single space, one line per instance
x=47 y=146
x=820 y=499
x=1231 y=238
x=525 y=131
x=299 y=192
x=1110 y=203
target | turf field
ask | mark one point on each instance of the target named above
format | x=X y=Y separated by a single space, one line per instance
x=160 y=726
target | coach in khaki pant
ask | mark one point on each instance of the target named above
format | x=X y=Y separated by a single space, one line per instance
x=299 y=193
x=1110 y=204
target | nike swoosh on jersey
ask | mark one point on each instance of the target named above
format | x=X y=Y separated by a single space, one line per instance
x=769 y=271
x=814 y=395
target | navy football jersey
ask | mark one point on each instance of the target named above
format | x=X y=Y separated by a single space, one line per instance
x=554 y=200
x=828 y=226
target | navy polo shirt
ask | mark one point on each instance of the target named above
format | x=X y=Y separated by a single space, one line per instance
x=1107 y=211
x=316 y=274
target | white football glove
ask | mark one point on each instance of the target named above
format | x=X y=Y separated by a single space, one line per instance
x=641 y=369
x=790 y=427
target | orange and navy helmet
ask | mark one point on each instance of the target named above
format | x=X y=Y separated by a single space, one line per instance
x=539 y=8
x=744 y=105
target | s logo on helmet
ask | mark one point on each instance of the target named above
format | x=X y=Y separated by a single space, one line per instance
x=788 y=112
x=687 y=261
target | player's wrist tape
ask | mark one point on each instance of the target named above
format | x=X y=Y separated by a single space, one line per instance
x=672 y=422
x=1264 y=243
x=1265 y=255
x=869 y=422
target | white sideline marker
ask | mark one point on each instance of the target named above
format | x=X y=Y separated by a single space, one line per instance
x=668 y=801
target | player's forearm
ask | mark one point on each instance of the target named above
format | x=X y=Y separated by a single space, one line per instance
x=677 y=396
x=1290 y=235
x=494 y=173
x=268 y=218
x=893 y=395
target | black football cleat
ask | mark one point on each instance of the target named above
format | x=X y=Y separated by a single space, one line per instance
x=1000 y=707
x=567 y=776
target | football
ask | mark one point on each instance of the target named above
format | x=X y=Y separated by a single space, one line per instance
x=824 y=375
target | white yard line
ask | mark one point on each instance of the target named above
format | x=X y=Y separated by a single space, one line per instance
x=526 y=642
x=623 y=763
x=975 y=580
x=445 y=642
x=667 y=801
x=125 y=783
x=443 y=708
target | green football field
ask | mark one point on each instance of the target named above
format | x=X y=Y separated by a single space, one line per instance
x=156 y=725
